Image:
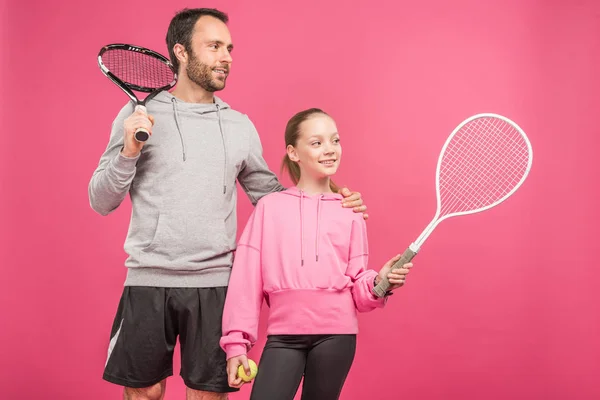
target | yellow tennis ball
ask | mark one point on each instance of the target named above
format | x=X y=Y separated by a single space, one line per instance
x=253 y=371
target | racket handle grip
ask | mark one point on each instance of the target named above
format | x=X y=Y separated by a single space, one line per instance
x=141 y=134
x=384 y=284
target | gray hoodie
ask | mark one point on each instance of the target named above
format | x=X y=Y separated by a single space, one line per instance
x=183 y=190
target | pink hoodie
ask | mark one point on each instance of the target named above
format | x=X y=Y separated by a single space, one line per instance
x=307 y=257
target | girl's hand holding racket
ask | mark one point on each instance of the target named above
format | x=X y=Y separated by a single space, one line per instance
x=133 y=123
x=396 y=277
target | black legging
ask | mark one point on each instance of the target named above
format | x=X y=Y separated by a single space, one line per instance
x=323 y=360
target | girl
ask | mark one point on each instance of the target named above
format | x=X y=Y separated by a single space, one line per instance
x=307 y=257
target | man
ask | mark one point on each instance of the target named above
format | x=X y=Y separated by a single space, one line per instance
x=181 y=238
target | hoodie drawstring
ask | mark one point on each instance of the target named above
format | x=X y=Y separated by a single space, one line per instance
x=176 y=112
x=302 y=227
x=224 y=150
x=179 y=128
x=318 y=226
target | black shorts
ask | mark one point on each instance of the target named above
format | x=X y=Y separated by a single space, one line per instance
x=145 y=331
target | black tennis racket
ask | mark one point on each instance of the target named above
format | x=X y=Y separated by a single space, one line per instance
x=137 y=68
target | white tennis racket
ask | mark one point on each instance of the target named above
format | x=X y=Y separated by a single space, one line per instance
x=483 y=162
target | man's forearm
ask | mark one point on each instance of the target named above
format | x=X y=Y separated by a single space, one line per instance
x=111 y=182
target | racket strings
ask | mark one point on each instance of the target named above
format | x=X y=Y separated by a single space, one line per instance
x=477 y=180
x=139 y=69
x=483 y=162
x=491 y=160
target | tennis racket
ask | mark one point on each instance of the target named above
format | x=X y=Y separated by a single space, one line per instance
x=137 y=68
x=483 y=162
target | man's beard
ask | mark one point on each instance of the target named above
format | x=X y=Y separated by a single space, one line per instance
x=201 y=75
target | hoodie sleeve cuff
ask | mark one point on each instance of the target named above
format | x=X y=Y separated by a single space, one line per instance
x=375 y=301
x=234 y=350
x=125 y=164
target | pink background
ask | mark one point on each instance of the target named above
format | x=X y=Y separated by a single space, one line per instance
x=502 y=305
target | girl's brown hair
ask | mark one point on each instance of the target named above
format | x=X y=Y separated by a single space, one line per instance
x=292 y=132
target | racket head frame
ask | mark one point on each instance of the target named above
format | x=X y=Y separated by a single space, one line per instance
x=127 y=87
x=436 y=219
x=381 y=289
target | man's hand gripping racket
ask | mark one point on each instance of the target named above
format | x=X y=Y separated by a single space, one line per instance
x=483 y=162
x=137 y=68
